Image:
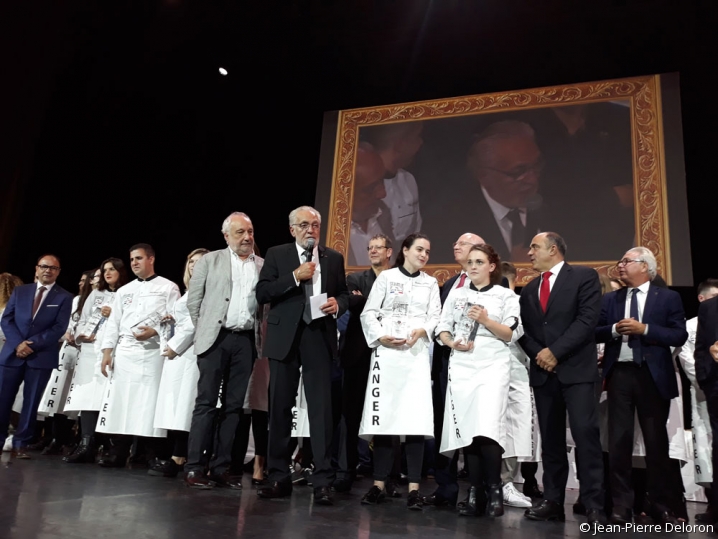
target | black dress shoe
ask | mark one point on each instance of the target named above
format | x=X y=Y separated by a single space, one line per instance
x=85 y=452
x=532 y=490
x=462 y=503
x=475 y=503
x=275 y=490
x=53 y=448
x=546 y=510
x=495 y=504
x=593 y=516
x=342 y=485
x=323 y=496
x=259 y=482
x=438 y=500
x=664 y=517
x=415 y=501
x=39 y=445
x=706 y=518
x=226 y=480
x=164 y=468
x=621 y=515
x=112 y=460
x=374 y=496
x=198 y=480
x=579 y=508
x=391 y=490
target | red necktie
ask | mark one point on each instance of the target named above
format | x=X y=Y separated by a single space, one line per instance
x=545 y=291
x=462 y=280
x=38 y=299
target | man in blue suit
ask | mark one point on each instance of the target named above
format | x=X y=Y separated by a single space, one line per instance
x=639 y=325
x=35 y=318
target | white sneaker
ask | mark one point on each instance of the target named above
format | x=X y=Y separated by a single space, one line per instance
x=514 y=498
x=8 y=444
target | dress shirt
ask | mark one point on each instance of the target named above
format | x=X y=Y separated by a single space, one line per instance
x=551 y=280
x=626 y=353
x=44 y=296
x=243 y=300
x=501 y=215
x=317 y=278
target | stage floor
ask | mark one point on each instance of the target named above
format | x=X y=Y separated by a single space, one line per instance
x=44 y=498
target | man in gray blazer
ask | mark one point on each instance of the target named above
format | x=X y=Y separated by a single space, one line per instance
x=223 y=306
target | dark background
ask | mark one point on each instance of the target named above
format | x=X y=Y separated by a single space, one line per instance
x=117 y=127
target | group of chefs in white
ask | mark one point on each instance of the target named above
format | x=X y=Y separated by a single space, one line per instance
x=136 y=373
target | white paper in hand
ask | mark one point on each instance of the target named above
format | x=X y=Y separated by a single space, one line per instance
x=315 y=302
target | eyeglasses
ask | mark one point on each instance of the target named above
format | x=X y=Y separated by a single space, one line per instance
x=627 y=261
x=305 y=226
x=43 y=267
x=375 y=248
x=520 y=172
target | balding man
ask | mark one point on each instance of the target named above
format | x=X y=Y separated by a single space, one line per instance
x=499 y=194
x=35 y=318
x=370 y=216
x=445 y=468
x=223 y=307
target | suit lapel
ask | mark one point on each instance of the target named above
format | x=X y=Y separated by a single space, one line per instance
x=561 y=278
x=323 y=262
x=621 y=295
x=651 y=299
x=226 y=261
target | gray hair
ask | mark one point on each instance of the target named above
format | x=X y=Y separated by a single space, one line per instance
x=294 y=212
x=225 y=223
x=649 y=258
x=507 y=129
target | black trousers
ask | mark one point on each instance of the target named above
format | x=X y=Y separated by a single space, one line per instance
x=311 y=352
x=553 y=400
x=227 y=364
x=632 y=391
x=711 y=392
x=354 y=383
x=385 y=457
x=258 y=421
x=445 y=468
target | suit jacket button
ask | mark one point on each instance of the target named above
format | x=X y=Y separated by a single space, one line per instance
x=219 y=321
x=226 y=299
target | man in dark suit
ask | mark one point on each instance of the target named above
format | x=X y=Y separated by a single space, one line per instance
x=35 y=318
x=355 y=357
x=639 y=325
x=447 y=490
x=559 y=311
x=706 y=357
x=289 y=278
x=497 y=193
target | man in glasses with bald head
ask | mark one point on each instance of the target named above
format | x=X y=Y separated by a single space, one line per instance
x=35 y=318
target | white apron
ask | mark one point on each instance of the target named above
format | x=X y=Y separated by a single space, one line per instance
x=55 y=395
x=398 y=393
x=177 y=392
x=300 y=413
x=535 y=433
x=477 y=395
x=131 y=397
x=518 y=413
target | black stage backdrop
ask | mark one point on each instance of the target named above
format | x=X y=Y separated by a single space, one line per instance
x=117 y=127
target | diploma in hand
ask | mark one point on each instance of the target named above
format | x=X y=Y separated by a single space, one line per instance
x=93 y=323
x=152 y=321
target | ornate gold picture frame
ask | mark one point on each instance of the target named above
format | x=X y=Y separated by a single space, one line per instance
x=641 y=95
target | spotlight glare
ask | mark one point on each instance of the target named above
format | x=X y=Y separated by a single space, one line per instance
x=222 y=71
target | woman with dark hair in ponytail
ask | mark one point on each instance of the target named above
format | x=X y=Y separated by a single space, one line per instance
x=398 y=320
x=478 y=322
x=88 y=384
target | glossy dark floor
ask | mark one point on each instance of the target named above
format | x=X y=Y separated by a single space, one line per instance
x=44 y=498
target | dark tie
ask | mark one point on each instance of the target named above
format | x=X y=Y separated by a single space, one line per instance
x=634 y=341
x=545 y=291
x=308 y=289
x=462 y=280
x=518 y=230
x=38 y=299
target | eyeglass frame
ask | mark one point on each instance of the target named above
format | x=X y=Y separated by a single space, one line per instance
x=627 y=261
x=44 y=267
x=305 y=226
x=370 y=249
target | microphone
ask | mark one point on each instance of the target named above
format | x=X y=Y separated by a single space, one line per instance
x=310 y=249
